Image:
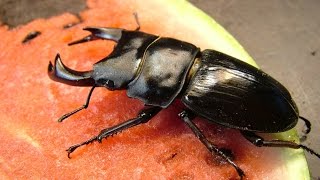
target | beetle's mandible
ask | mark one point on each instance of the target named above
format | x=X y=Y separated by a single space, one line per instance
x=212 y=85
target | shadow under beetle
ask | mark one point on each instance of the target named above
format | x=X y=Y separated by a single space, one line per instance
x=212 y=85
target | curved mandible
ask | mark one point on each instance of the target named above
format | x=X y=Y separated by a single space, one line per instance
x=61 y=73
x=113 y=34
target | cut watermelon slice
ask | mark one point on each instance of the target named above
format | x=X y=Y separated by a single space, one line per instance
x=32 y=142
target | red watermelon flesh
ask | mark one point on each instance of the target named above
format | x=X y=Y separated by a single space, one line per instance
x=33 y=144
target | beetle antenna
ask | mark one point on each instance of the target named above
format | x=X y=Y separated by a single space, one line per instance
x=135 y=15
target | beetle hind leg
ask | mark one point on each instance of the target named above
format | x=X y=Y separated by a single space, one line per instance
x=307 y=124
x=144 y=116
x=113 y=34
x=187 y=117
x=307 y=129
x=259 y=141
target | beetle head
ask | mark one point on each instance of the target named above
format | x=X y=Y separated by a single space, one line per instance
x=115 y=71
x=121 y=66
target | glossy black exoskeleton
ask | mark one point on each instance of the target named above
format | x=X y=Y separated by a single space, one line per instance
x=212 y=85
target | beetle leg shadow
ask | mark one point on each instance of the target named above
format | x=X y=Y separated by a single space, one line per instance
x=147 y=113
x=187 y=117
x=260 y=142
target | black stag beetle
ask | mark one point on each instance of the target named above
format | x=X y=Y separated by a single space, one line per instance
x=212 y=85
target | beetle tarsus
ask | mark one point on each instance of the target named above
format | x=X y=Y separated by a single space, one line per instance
x=260 y=142
x=74 y=147
x=144 y=116
x=65 y=116
x=187 y=117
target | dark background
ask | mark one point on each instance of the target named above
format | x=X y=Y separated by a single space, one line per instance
x=282 y=36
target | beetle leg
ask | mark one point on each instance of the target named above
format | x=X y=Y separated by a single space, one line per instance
x=144 y=116
x=78 y=109
x=307 y=124
x=307 y=129
x=259 y=141
x=187 y=117
x=113 y=34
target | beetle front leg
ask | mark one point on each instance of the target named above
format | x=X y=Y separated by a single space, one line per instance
x=144 y=116
x=84 y=106
x=187 y=117
x=259 y=141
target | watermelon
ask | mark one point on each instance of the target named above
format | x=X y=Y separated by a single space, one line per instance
x=33 y=144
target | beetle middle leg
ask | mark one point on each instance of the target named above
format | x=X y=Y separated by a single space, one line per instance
x=187 y=117
x=143 y=116
x=259 y=141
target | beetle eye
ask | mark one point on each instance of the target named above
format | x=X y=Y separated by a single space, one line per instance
x=106 y=83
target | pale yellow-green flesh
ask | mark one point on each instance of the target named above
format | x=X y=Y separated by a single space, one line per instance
x=208 y=34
